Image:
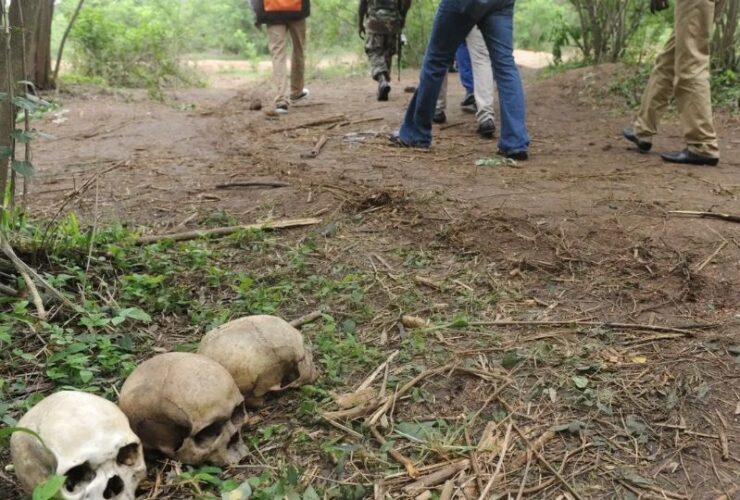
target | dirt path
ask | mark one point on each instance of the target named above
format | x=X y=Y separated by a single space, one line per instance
x=580 y=232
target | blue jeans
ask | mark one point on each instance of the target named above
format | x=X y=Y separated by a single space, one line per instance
x=451 y=27
x=465 y=67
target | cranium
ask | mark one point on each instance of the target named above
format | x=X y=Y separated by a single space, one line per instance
x=263 y=354
x=186 y=406
x=84 y=437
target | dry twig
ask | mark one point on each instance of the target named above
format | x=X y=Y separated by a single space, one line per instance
x=225 y=231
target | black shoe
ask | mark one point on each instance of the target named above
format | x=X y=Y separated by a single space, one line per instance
x=487 y=129
x=384 y=89
x=514 y=155
x=468 y=101
x=439 y=117
x=686 y=157
x=642 y=146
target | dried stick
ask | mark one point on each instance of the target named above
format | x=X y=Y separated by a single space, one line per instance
x=371 y=378
x=225 y=231
x=23 y=268
x=270 y=184
x=314 y=123
x=711 y=257
x=437 y=477
x=504 y=448
x=8 y=290
x=397 y=456
x=707 y=215
x=626 y=326
x=306 y=319
x=316 y=151
x=547 y=464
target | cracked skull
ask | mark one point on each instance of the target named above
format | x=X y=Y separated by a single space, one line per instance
x=186 y=406
x=85 y=438
x=263 y=354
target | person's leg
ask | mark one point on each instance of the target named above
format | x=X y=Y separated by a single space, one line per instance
x=442 y=99
x=498 y=33
x=694 y=21
x=482 y=75
x=298 y=61
x=276 y=36
x=449 y=30
x=658 y=93
x=375 y=48
x=464 y=66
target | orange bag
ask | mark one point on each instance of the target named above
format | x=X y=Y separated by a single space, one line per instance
x=283 y=5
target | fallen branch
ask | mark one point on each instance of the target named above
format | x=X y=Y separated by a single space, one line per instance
x=225 y=231
x=30 y=276
x=306 y=319
x=707 y=215
x=501 y=456
x=316 y=151
x=437 y=477
x=270 y=184
x=709 y=259
x=686 y=330
x=6 y=290
x=397 y=456
x=314 y=123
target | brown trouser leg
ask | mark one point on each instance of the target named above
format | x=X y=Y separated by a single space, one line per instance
x=277 y=35
x=682 y=70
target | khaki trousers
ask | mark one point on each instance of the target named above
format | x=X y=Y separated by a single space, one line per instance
x=682 y=70
x=277 y=35
x=484 y=85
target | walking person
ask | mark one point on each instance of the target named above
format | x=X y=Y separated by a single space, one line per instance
x=682 y=71
x=285 y=18
x=453 y=22
x=479 y=98
x=380 y=25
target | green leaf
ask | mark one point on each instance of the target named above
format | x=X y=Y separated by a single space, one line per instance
x=580 y=382
x=86 y=376
x=25 y=104
x=293 y=476
x=49 y=488
x=243 y=492
x=25 y=168
x=137 y=314
x=5 y=334
x=22 y=136
x=310 y=494
x=5 y=152
x=511 y=359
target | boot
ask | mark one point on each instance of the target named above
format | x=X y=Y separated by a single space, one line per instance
x=384 y=87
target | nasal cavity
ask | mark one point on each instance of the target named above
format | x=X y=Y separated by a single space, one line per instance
x=114 y=487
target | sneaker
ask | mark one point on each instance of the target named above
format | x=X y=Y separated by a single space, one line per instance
x=439 y=117
x=468 y=104
x=487 y=129
x=384 y=89
x=514 y=155
x=304 y=93
x=281 y=109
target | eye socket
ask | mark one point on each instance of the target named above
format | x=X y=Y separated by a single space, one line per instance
x=234 y=441
x=240 y=413
x=78 y=476
x=114 y=487
x=128 y=455
x=207 y=436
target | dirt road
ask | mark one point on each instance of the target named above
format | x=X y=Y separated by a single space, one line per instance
x=582 y=231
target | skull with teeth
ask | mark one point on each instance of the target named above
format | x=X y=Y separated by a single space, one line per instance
x=186 y=406
x=85 y=438
x=263 y=353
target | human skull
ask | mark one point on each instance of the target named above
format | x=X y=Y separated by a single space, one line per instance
x=85 y=438
x=186 y=406
x=263 y=354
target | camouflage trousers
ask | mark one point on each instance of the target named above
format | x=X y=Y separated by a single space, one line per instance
x=380 y=49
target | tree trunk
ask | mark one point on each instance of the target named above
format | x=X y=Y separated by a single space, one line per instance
x=726 y=42
x=42 y=66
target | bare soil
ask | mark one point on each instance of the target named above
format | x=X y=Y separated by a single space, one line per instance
x=580 y=233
